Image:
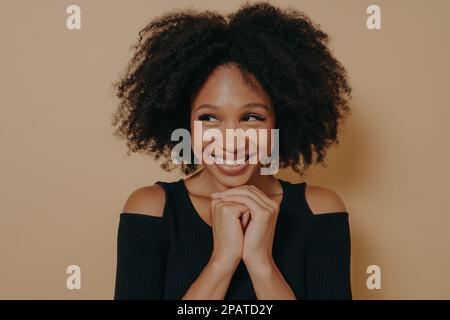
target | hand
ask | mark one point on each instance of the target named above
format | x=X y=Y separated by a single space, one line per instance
x=259 y=234
x=227 y=222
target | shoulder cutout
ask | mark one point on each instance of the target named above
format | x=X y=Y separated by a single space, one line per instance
x=149 y=200
x=323 y=200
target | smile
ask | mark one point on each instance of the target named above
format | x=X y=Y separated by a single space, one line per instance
x=231 y=167
x=230 y=163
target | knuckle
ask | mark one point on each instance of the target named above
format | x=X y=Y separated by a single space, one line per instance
x=226 y=209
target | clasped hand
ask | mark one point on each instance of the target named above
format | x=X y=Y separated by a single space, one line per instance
x=243 y=223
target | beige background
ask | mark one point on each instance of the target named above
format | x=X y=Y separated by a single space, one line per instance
x=64 y=177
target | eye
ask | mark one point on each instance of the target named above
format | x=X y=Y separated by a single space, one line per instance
x=253 y=117
x=207 y=117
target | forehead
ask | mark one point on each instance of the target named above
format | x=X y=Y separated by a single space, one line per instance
x=228 y=86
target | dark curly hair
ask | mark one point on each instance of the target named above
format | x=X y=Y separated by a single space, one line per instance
x=283 y=49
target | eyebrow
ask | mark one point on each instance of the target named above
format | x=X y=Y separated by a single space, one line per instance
x=248 y=105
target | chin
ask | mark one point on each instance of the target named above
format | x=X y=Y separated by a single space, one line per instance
x=233 y=177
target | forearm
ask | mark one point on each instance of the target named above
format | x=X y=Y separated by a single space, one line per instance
x=268 y=282
x=212 y=283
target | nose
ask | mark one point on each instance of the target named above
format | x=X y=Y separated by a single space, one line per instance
x=231 y=124
x=234 y=145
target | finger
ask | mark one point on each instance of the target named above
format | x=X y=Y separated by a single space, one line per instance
x=214 y=202
x=245 y=220
x=251 y=204
x=243 y=209
x=268 y=200
x=237 y=208
x=247 y=191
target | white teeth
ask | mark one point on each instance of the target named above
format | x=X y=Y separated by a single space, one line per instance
x=230 y=163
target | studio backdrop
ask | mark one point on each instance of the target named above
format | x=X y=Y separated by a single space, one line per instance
x=64 y=177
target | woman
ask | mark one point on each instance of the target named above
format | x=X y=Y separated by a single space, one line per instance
x=230 y=232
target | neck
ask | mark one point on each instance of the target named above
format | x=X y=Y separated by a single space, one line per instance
x=266 y=183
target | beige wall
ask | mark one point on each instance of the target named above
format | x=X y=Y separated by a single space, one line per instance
x=64 y=178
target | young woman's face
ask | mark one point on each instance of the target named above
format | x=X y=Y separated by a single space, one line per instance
x=225 y=101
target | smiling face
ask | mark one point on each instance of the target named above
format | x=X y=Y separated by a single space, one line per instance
x=227 y=101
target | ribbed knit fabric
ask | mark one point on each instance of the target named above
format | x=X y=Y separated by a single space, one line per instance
x=160 y=257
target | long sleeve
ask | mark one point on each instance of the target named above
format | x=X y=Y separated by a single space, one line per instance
x=141 y=258
x=328 y=258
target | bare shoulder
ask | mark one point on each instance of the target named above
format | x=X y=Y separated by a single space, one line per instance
x=323 y=200
x=149 y=200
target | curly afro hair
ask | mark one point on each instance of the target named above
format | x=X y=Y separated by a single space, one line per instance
x=283 y=49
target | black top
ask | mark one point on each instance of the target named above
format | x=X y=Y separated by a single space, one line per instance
x=160 y=257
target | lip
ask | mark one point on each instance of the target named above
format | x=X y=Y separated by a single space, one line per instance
x=233 y=170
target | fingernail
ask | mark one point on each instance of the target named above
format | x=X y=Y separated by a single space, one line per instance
x=215 y=194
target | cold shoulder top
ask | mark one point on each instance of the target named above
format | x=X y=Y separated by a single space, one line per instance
x=160 y=257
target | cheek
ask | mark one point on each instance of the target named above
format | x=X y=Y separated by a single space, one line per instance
x=197 y=139
x=262 y=143
x=198 y=145
x=195 y=146
x=266 y=139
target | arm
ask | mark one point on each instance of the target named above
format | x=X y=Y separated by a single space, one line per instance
x=214 y=280
x=212 y=283
x=266 y=277
x=268 y=282
x=328 y=257
x=141 y=253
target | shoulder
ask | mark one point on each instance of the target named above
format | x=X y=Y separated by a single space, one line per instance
x=148 y=200
x=323 y=200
